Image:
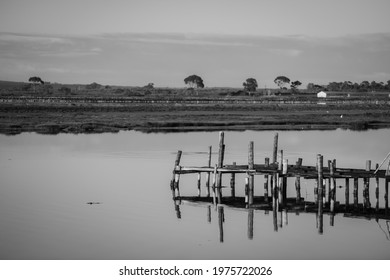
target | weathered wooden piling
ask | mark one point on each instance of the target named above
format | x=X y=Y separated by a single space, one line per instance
x=346 y=194
x=208 y=173
x=283 y=183
x=221 y=153
x=251 y=176
x=266 y=181
x=366 y=189
x=199 y=179
x=209 y=214
x=275 y=192
x=280 y=162
x=275 y=149
x=332 y=187
x=280 y=190
x=214 y=185
x=298 y=181
x=387 y=180
x=320 y=193
x=355 y=193
x=176 y=189
x=317 y=183
x=377 y=191
x=247 y=189
x=177 y=162
x=233 y=182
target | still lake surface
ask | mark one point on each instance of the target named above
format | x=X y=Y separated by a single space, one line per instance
x=46 y=182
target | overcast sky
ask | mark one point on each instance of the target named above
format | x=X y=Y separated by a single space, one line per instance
x=134 y=42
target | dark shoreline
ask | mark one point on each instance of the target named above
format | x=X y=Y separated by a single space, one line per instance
x=164 y=117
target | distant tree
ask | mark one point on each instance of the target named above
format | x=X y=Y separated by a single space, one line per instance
x=194 y=81
x=281 y=81
x=334 y=86
x=294 y=85
x=149 y=86
x=250 y=85
x=35 y=81
x=365 y=86
x=347 y=85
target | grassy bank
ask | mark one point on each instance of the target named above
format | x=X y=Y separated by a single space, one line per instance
x=102 y=114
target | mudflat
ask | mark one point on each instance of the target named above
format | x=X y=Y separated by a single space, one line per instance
x=62 y=115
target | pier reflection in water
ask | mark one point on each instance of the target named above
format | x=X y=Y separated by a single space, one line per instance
x=273 y=219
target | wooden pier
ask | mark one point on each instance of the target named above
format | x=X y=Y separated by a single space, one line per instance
x=276 y=171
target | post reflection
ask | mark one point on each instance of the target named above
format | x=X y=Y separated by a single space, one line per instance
x=280 y=220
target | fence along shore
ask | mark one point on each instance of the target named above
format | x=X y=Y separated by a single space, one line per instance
x=274 y=192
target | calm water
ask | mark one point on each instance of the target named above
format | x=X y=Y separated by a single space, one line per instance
x=46 y=182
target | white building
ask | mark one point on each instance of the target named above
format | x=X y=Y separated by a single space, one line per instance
x=321 y=94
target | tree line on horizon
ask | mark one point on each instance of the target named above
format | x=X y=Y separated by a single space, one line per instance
x=283 y=82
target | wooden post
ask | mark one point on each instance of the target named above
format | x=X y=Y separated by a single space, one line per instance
x=250 y=223
x=233 y=182
x=327 y=191
x=176 y=188
x=346 y=194
x=280 y=191
x=246 y=189
x=334 y=182
x=320 y=193
x=280 y=163
x=284 y=181
x=275 y=200
x=221 y=153
x=366 y=190
x=266 y=182
x=177 y=162
x=214 y=185
x=317 y=184
x=208 y=173
x=377 y=190
x=251 y=176
x=332 y=187
x=199 y=191
x=275 y=150
x=355 y=193
x=209 y=214
x=298 y=182
x=220 y=222
x=387 y=180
